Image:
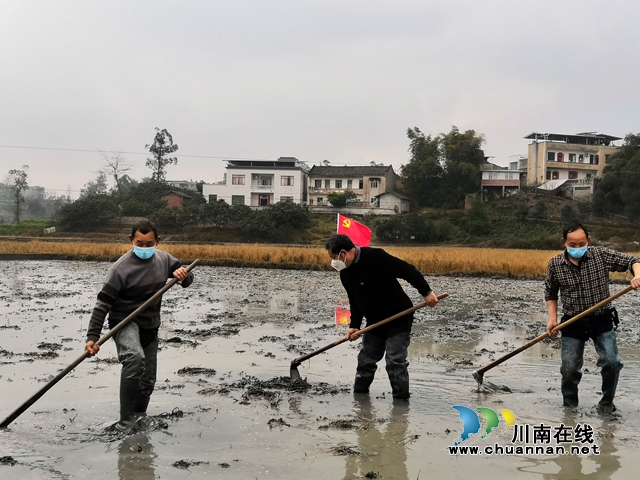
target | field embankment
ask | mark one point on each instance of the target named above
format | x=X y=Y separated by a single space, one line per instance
x=429 y=260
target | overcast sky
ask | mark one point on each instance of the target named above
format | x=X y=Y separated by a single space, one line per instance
x=337 y=80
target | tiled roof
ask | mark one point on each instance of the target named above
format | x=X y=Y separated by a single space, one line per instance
x=357 y=171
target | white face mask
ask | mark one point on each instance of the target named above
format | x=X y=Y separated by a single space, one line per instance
x=338 y=264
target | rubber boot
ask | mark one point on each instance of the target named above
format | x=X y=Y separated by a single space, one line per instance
x=399 y=387
x=362 y=383
x=141 y=405
x=128 y=395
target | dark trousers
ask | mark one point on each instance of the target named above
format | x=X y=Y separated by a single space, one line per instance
x=138 y=376
x=572 y=358
x=394 y=349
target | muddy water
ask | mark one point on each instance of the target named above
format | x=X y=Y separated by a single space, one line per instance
x=220 y=410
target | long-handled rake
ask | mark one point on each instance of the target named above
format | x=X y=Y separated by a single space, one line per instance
x=479 y=374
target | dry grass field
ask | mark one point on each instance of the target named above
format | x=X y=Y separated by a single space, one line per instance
x=429 y=260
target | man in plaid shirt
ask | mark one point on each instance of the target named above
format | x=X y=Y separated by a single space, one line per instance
x=581 y=275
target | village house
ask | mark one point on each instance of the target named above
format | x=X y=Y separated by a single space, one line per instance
x=369 y=184
x=175 y=199
x=497 y=181
x=570 y=160
x=260 y=183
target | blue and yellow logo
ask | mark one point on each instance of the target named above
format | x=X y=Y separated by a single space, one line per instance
x=471 y=421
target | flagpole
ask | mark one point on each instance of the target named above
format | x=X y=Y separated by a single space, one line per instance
x=338 y=223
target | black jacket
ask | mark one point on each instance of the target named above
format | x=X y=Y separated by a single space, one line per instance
x=375 y=293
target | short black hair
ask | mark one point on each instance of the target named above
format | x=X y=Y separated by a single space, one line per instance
x=573 y=227
x=337 y=243
x=144 y=227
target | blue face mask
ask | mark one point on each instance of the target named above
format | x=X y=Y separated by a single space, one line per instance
x=577 y=252
x=144 y=253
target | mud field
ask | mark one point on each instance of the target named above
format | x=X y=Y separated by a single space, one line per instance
x=224 y=406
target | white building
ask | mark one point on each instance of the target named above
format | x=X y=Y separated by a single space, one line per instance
x=259 y=183
x=185 y=184
x=366 y=182
x=554 y=156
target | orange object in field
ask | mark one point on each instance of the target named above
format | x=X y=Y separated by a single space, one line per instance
x=343 y=316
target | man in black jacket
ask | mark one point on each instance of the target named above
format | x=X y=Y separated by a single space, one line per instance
x=369 y=275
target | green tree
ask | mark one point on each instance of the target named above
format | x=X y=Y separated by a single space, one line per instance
x=277 y=222
x=216 y=214
x=90 y=211
x=176 y=218
x=540 y=211
x=617 y=191
x=161 y=149
x=476 y=220
x=35 y=207
x=340 y=199
x=584 y=210
x=520 y=207
x=423 y=173
x=568 y=214
x=17 y=181
x=406 y=228
x=443 y=169
x=95 y=187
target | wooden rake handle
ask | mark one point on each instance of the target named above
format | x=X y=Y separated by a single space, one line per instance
x=530 y=343
x=34 y=398
x=301 y=359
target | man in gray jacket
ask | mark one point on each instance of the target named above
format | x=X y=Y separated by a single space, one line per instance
x=131 y=281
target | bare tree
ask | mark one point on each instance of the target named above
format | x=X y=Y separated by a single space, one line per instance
x=17 y=180
x=115 y=166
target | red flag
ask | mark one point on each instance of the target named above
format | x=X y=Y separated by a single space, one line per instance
x=357 y=232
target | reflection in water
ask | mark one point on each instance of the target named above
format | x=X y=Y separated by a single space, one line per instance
x=382 y=447
x=239 y=298
x=136 y=459
x=592 y=467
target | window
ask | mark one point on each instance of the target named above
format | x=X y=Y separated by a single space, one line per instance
x=548 y=175
x=237 y=199
x=573 y=175
x=374 y=182
x=338 y=183
x=592 y=159
x=572 y=157
x=551 y=156
x=349 y=184
x=327 y=183
x=360 y=184
x=317 y=184
x=320 y=201
x=213 y=198
x=581 y=158
x=560 y=157
x=597 y=160
x=286 y=199
x=555 y=175
x=237 y=179
x=588 y=175
x=286 y=181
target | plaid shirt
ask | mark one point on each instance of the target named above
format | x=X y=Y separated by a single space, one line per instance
x=585 y=284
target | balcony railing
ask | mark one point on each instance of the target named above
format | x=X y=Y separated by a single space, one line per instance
x=322 y=190
x=580 y=181
x=261 y=188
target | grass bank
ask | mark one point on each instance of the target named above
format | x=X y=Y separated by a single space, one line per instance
x=429 y=260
